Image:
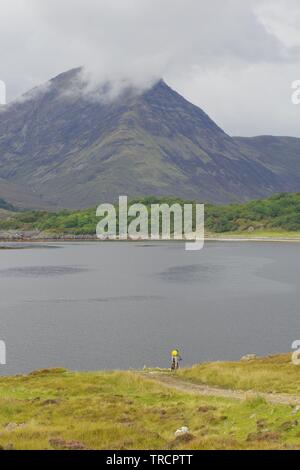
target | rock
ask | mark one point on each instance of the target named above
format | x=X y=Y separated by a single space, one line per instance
x=295 y=410
x=249 y=357
x=10 y=426
x=182 y=431
x=13 y=426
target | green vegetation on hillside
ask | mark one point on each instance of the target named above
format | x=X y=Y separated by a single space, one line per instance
x=278 y=213
x=281 y=211
x=58 y=409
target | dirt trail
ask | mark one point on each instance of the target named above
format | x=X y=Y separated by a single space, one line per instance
x=207 y=390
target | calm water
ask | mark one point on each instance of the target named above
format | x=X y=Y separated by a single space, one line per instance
x=88 y=306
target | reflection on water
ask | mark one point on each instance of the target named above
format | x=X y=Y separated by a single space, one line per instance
x=187 y=274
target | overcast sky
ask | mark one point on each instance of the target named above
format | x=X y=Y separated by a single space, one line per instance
x=235 y=59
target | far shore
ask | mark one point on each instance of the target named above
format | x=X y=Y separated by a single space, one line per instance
x=19 y=239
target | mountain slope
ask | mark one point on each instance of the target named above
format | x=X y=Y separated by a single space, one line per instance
x=75 y=150
x=23 y=196
x=281 y=155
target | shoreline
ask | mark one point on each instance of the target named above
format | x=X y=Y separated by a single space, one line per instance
x=78 y=239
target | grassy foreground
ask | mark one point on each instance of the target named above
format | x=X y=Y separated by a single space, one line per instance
x=58 y=409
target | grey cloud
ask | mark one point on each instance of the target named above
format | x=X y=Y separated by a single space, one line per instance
x=209 y=50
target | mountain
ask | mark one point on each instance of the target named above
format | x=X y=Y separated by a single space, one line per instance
x=281 y=155
x=22 y=196
x=62 y=148
x=6 y=205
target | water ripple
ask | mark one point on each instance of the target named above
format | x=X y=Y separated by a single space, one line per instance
x=41 y=271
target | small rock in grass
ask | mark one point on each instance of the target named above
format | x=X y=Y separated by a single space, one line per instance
x=182 y=431
x=249 y=357
x=295 y=410
x=13 y=426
